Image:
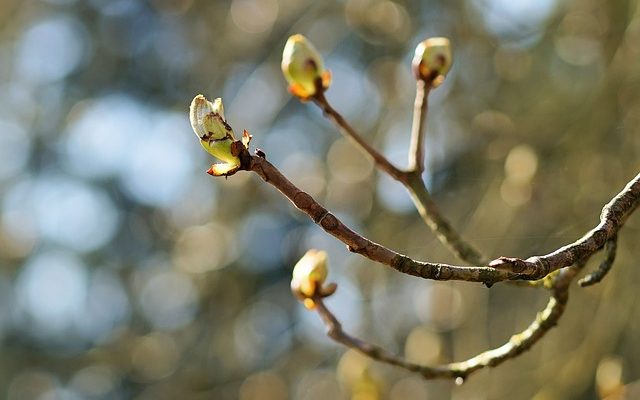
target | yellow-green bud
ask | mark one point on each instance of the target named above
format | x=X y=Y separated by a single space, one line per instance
x=303 y=68
x=308 y=277
x=215 y=134
x=310 y=272
x=432 y=60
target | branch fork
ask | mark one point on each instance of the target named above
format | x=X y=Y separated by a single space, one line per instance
x=304 y=70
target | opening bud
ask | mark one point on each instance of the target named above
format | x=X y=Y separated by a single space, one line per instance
x=309 y=275
x=215 y=134
x=432 y=60
x=303 y=68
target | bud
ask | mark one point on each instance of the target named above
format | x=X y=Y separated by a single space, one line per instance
x=215 y=134
x=309 y=273
x=308 y=276
x=303 y=68
x=432 y=60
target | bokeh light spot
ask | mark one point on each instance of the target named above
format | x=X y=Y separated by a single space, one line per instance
x=95 y=381
x=51 y=49
x=15 y=146
x=168 y=300
x=154 y=356
x=205 y=248
x=423 y=346
x=261 y=333
x=254 y=16
x=51 y=290
x=521 y=164
x=103 y=133
x=265 y=385
x=515 y=20
x=65 y=211
x=31 y=384
x=162 y=164
x=107 y=307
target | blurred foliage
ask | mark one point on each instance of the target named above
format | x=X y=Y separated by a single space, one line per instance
x=127 y=272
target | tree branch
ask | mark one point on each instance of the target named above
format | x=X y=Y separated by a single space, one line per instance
x=516 y=345
x=347 y=130
x=604 y=267
x=431 y=215
x=613 y=216
x=412 y=178
x=418 y=127
x=361 y=245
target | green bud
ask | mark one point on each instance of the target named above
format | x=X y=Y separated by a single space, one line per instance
x=207 y=119
x=432 y=60
x=303 y=67
x=308 y=278
x=214 y=133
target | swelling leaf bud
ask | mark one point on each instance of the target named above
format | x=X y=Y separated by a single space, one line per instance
x=432 y=60
x=310 y=272
x=303 y=68
x=308 y=276
x=215 y=134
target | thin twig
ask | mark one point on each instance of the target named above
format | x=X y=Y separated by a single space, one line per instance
x=412 y=178
x=447 y=235
x=347 y=130
x=517 y=344
x=613 y=216
x=418 y=127
x=361 y=245
x=420 y=195
x=604 y=267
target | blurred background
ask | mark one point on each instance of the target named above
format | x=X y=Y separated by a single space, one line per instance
x=127 y=272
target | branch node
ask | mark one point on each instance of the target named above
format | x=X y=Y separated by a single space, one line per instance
x=322 y=217
x=542 y=267
x=328 y=221
x=512 y=264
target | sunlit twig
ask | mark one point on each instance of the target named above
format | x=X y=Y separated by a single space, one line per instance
x=517 y=343
x=604 y=267
x=361 y=245
x=613 y=216
x=411 y=178
x=418 y=127
x=348 y=131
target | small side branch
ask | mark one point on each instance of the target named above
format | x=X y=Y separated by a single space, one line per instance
x=517 y=344
x=418 y=127
x=447 y=235
x=412 y=178
x=605 y=266
x=347 y=130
